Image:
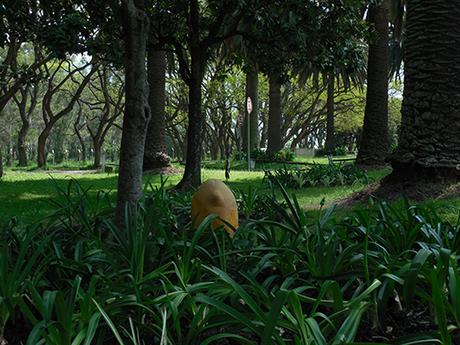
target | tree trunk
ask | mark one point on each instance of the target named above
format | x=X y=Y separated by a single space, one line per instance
x=274 y=116
x=22 y=151
x=97 y=144
x=137 y=110
x=252 y=91
x=155 y=140
x=41 y=145
x=429 y=141
x=374 y=145
x=192 y=172
x=330 y=126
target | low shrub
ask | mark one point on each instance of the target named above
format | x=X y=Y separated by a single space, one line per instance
x=320 y=175
x=339 y=151
x=293 y=277
x=285 y=155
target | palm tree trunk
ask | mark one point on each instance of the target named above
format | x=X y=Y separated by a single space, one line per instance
x=274 y=116
x=429 y=141
x=330 y=126
x=155 y=140
x=374 y=145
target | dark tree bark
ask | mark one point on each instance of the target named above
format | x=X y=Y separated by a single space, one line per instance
x=374 y=145
x=192 y=172
x=252 y=91
x=1 y=162
x=155 y=141
x=330 y=114
x=137 y=110
x=429 y=141
x=274 y=116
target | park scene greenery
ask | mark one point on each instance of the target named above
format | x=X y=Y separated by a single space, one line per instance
x=229 y=172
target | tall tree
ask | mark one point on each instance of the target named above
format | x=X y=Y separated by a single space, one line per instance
x=137 y=109
x=429 y=144
x=206 y=24
x=374 y=143
x=155 y=148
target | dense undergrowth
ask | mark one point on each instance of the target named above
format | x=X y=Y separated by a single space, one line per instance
x=287 y=277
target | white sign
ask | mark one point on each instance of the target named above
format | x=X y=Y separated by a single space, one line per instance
x=249 y=105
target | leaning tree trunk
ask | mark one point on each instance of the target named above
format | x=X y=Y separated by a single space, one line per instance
x=429 y=141
x=274 y=116
x=155 y=147
x=137 y=110
x=41 y=145
x=22 y=151
x=374 y=145
x=330 y=126
x=252 y=91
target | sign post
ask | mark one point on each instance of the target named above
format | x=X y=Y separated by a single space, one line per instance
x=248 y=120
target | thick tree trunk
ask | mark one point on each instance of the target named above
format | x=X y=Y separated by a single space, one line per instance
x=192 y=172
x=155 y=140
x=137 y=110
x=330 y=126
x=22 y=151
x=429 y=141
x=252 y=91
x=374 y=145
x=274 y=116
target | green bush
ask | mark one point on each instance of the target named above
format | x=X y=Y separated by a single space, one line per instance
x=285 y=155
x=293 y=277
x=339 y=151
x=320 y=175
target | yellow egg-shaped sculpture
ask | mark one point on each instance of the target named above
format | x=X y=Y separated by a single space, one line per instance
x=214 y=197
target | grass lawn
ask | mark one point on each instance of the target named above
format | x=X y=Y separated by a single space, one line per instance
x=28 y=195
